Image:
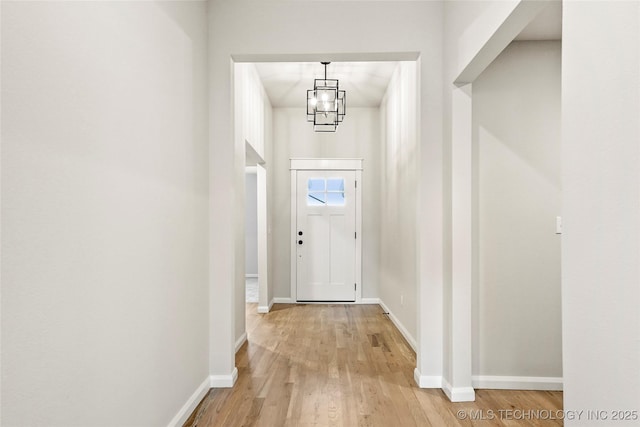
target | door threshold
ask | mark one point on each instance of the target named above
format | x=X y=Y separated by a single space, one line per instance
x=326 y=302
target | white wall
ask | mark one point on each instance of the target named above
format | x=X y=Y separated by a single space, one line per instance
x=399 y=177
x=601 y=207
x=356 y=137
x=470 y=23
x=251 y=102
x=270 y=178
x=516 y=137
x=104 y=211
x=251 y=224
x=459 y=47
x=252 y=106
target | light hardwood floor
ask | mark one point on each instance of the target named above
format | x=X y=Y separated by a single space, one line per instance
x=347 y=365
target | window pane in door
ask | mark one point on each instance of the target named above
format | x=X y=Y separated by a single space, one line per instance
x=316 y=199
x=335 y=184
x=316 y=184
x=335 y=199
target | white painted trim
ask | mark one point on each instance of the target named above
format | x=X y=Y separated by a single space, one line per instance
x=458 y=394
x=251 y=276
x=363 y=301
x=190 y=405
x=517 y=383
x=334 y=57
x=326 y=164
x=334 y=302
x=240 y=341
x=407 y=336
x=358 y=214
x=292 y=237
x=224 y=381
x=262 y=235
x=513 y=18
x=460 y=329
x=427 y=381
x=354 y=165
x=265 y=309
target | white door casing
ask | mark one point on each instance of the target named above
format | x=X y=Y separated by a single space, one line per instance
x=326 y=208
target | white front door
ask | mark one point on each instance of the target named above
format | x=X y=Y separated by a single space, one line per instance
x=326 y=235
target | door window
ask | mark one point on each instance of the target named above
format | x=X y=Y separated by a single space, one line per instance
x=325 y=192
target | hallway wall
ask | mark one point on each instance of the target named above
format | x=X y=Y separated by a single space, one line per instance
x=356 y=137
x=251 y=224
x=399 y=178
x=252 y=132
x=104 y=211
x=516 y=149
x=601 y=207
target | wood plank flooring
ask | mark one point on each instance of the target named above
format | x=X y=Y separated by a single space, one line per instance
x=347 y=365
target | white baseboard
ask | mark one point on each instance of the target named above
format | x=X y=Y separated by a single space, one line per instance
x=224 y=381
x=517 y=383
x=427 y=381
x=279 y=300
x=411 y=340
x=250 y=276
x=187 y=409
x=265 y=309
x=241 y=341
x=458 y=394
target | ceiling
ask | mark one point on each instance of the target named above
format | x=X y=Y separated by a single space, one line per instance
x=286 y=83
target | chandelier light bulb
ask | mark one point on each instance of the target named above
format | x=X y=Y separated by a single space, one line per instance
x=314 y=101
x=325 y=97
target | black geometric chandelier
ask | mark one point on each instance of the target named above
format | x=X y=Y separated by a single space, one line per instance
x=326 y=103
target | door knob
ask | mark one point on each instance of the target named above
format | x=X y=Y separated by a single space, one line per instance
x=299 y=242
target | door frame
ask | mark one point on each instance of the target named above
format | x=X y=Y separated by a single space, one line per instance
x=304 y=164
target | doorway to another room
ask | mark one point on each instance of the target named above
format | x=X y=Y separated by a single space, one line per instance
x=256 y=277
x=251 y=236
